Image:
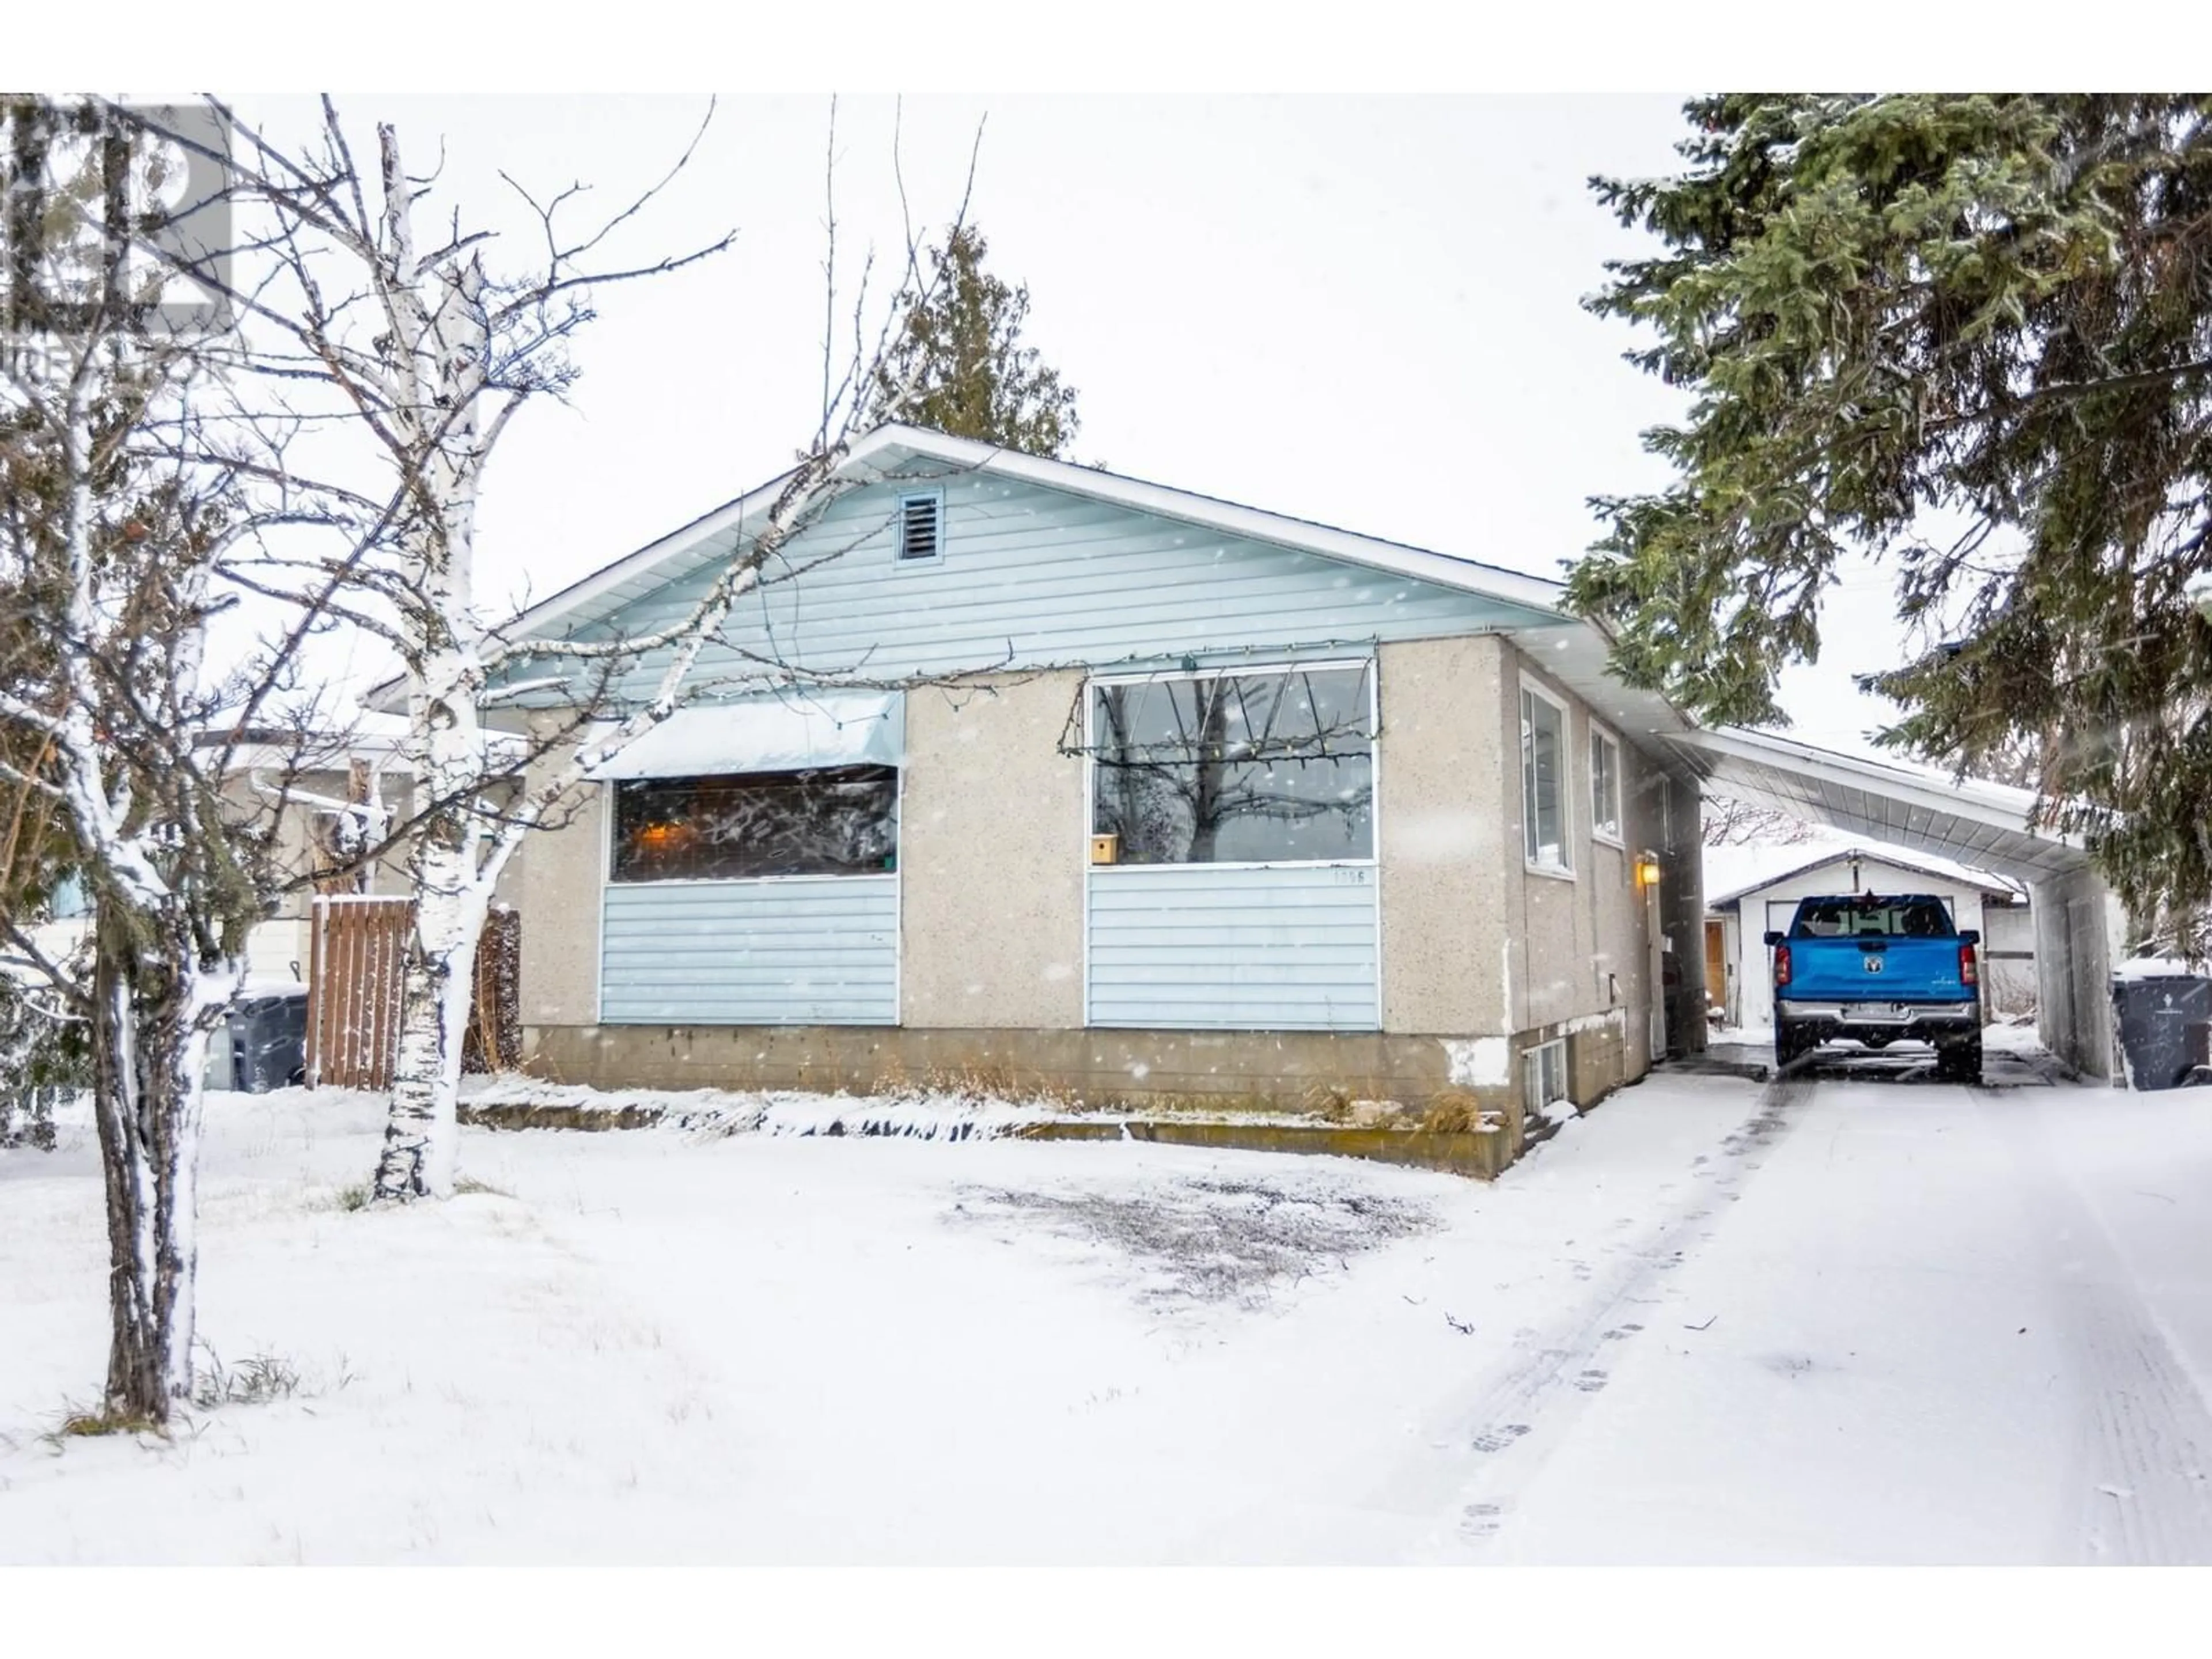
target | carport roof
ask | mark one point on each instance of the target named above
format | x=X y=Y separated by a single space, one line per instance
x=1972 y=822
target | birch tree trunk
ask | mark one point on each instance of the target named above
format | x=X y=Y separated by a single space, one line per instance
x=446 y=346
x=421 y=1129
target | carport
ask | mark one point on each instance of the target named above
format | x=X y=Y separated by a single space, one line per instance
x=2080 y=928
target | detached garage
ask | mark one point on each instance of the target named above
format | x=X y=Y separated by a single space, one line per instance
x=1749 y=900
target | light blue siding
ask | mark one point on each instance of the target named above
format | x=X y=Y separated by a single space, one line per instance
x=1032 y=577
x=808 y=950
x=1234 y=947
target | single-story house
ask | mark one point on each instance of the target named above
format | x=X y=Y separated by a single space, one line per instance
x=1034 y=775
x=1756 y=889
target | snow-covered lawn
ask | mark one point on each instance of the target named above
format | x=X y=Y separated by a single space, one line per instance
x=1845 y=1322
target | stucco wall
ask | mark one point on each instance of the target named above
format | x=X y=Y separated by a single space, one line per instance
x=992 y=860
x=1444 y=833
x=991 y=844
x=1578 y=949
x=557 y=889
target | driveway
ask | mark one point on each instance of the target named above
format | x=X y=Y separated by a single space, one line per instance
x=1910 y=1322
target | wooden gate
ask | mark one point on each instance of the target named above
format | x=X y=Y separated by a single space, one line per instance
x=357 y=957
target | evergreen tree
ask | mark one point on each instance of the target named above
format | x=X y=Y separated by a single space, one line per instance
x=1989 y=314
x=978 y=380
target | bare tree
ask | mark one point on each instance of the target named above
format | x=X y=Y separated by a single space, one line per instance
x=116 y=559
x=431 y=356
x=1731 y=822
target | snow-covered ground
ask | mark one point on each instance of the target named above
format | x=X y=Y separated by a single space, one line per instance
x=1843 y=1322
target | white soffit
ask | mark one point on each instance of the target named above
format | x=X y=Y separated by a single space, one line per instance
x=1577 y=655
x=1983 y=825
x=796 y=732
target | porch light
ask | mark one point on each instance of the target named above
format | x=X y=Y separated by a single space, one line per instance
x=1647 y=869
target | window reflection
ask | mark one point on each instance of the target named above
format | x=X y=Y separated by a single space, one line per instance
x=832 y=823
x=1236 y=768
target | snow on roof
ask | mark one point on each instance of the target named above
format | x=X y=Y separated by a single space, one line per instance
x=1732 y=872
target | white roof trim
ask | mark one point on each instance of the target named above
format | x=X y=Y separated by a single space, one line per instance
x=886 y=444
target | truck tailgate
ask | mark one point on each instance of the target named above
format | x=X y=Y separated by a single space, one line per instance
x=1875 y=970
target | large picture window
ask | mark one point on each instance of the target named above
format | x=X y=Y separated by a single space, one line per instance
x=842 y=822
x=1543 y=779
x=1271 y=767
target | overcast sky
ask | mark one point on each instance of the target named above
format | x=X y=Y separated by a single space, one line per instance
x=1363 y=311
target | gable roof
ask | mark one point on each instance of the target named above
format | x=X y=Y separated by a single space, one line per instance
x=1573 y=650
x=889 y=452
x=1920 y=864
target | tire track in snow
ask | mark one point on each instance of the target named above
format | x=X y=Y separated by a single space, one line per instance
x=1510 y=1423
x=2143 y=1468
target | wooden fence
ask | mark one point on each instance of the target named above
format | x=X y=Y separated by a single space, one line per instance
x=357 y=956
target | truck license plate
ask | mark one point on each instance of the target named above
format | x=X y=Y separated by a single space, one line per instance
x=1871 y=1010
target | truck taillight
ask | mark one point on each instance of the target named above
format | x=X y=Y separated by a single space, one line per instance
x=1781 y=964
x=1968 y=973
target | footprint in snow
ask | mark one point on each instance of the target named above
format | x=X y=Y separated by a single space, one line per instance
x=1498 y=1439
x=1591 y=1381
x=1480 y=1519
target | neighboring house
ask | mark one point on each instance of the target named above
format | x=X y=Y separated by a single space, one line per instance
x=1756 y=889
x=360 y=785
x=363 y=788
x=1172 y=798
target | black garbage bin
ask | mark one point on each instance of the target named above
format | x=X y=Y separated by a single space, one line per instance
x=2163 y=1021
x=268 y=1041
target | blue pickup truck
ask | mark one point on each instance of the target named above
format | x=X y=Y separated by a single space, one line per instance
x=1878 y=970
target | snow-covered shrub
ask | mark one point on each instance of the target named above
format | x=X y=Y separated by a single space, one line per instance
x=41 y=1060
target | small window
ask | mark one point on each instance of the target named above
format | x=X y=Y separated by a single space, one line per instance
x=1543 y=781
x=840 y=821
x=1605 y=787
x=921 y=527
x=1544 y=1075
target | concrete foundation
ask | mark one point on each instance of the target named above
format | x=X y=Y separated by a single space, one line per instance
x=1259 y=1071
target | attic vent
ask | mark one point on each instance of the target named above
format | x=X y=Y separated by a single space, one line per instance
x=921 y=527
